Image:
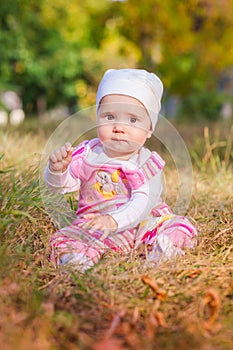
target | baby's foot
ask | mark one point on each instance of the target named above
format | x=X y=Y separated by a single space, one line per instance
x=77 y=260
x=164 y=250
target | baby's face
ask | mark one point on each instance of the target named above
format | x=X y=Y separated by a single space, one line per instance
x=123 y=125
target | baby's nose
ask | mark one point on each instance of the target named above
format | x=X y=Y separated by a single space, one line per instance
x=118 y=127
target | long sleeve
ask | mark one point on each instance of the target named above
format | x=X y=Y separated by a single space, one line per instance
x=140 y=204
x=61 y=182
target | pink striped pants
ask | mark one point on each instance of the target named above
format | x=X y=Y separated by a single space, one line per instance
x=72 y=239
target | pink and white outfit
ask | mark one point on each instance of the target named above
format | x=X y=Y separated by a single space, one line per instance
x=128 y=190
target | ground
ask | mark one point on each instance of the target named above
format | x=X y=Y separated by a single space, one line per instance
x=121 y=303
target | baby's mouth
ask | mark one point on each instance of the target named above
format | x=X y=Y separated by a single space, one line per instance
x=118 y=139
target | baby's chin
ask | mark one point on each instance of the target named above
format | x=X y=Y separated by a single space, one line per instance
x=120 y=151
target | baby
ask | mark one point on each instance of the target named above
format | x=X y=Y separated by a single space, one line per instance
x=119 y=180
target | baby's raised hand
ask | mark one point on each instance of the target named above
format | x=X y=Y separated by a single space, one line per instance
x=60 y=159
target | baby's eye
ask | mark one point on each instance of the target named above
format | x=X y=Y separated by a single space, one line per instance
x=133 y=120
x=109 y=117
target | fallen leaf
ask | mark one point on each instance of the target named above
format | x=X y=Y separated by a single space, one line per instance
x=193 y=273
x=156 y=319
x=211 y=304
x=159 y=293
x=136 y=315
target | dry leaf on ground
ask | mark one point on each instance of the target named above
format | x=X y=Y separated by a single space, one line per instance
x=159 y=293
x=211 y=304
x=156 y=319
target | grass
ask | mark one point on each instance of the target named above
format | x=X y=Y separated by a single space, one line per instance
x=120 y=303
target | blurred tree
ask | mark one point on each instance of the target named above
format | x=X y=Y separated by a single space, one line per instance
x=189 y=42
x=38 y=59
x=56 y=51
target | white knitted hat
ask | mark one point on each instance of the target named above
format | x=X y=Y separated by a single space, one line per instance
x=138 y=83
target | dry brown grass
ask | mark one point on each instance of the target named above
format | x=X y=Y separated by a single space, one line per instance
x=120 y=303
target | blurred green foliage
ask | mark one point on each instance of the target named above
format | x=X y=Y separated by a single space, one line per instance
x=201 y=105
x=55 y=52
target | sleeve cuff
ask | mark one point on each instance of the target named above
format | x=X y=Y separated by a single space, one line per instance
x=55 y=179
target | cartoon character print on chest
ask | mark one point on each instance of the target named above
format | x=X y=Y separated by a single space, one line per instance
x=110 y=184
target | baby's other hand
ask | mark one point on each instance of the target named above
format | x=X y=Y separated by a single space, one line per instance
x=60 y=159
x=104 y=223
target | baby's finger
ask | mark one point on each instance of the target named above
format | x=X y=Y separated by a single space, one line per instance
x=92 y=225
x=58 y=154
x=68 y=147
x=53 y=158
x=95 y=227
x=86 y=225
x=90 y=216
x=104 y=235
x=64 y=152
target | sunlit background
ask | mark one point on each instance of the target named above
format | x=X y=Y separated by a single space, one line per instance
x=53 y=54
